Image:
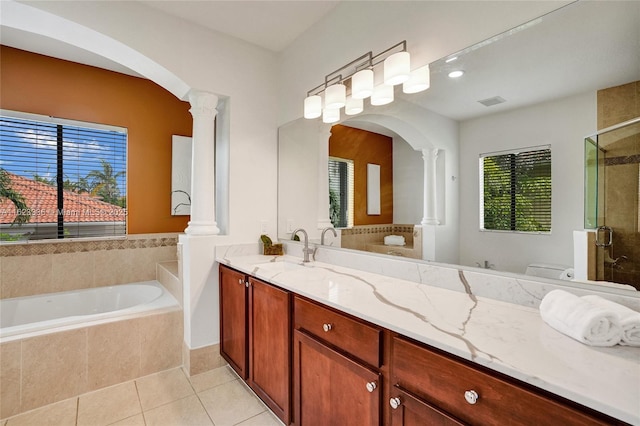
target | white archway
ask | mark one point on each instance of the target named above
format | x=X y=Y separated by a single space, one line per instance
x=33 y=20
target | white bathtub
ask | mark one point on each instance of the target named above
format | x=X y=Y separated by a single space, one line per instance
x=29 y=316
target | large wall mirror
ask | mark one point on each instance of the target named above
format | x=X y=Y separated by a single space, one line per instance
x=536 y=85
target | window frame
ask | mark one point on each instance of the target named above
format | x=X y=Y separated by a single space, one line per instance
x=350 y=188
x=481 y=204
x=20 y=115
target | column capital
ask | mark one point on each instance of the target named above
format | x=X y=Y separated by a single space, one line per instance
x=430 y=153
x=203 y=103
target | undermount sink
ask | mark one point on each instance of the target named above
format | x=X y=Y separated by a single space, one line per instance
x=282 y=266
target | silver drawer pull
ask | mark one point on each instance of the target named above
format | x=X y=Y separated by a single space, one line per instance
x=471 y=396
x=240 y=281
x=371 y=386
x=395 y=403
x=326 y=327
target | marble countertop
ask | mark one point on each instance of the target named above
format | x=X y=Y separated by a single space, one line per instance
x=502 y=336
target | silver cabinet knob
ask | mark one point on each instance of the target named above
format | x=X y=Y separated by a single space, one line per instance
x=371 y=386
x=395 y=402
x=471 y=396
x=326 y=327
x=240 y=281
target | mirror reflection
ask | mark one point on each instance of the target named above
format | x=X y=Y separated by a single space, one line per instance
x=550 y=82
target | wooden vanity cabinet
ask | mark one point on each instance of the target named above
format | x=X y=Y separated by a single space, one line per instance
x=467 y=394
x=409 y=410
x=332 y=385
x=255 y=336
x=270 y=346
x=233 y=320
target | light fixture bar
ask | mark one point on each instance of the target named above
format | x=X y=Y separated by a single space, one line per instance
x=365 y=61
x=349 y=85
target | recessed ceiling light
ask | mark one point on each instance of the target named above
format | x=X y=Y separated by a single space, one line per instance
x=451 y=59
x=456 y=74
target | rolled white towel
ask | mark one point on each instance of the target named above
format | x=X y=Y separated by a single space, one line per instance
x=628 y=318
x=580 y=319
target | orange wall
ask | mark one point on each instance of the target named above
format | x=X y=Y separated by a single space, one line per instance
x=42 y=85
x=366 y=147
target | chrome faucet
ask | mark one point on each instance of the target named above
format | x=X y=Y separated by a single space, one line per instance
x=335 y=234
x=306 y=250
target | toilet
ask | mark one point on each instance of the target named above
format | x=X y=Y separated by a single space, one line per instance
x=548 y=270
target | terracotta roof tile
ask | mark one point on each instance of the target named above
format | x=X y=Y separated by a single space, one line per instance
x=42 y=202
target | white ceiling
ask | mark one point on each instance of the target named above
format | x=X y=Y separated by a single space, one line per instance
x=269 y=24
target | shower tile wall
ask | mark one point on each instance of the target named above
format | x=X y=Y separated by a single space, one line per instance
x=622 y=178
x=37 y=268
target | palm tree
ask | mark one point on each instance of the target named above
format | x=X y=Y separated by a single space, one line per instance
x=6 y=192
x=105 y=183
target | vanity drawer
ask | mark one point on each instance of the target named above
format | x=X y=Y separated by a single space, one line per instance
x=442 y=381
x=355 y=337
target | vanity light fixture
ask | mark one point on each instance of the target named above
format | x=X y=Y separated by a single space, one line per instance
x=456 y=74
x=397 y=68
x=335 y=96
x=330 y=115
x=313 y=106
x=382 y=95
x=357 y=80
x=354 y=106
x=362 y=84
x=419 y=80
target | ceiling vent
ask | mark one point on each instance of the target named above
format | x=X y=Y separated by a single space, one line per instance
x=492 y=101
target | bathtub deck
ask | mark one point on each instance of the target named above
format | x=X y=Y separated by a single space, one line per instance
x=168 y=397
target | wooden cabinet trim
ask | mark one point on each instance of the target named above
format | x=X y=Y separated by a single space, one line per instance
x=367 y=374
x=441 y=379
x=233 y=347
x=349 y=334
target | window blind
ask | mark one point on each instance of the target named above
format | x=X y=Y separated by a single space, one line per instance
x=516 y=190
x=71 y=176
x=341 y=192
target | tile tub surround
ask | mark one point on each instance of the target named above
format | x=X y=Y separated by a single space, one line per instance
x=506 y=337
x=165 y=398
x=45 y=369
x=50 y=267
x=200 y=360
x=371 y=238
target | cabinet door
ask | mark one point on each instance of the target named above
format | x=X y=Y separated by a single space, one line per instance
x=331 y=389
x=408 y=410
x=270 y=347
x=233 y=323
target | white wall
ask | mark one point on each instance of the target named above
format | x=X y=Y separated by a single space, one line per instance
x=408 y=182
x=562 y=124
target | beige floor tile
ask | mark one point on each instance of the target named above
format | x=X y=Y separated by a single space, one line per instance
x=231 y=403
x=161 y=388
x=106 y=406
x=212 y=378
x=137 y=420
x=61 y=413
x=264 y=419
x=183 y=412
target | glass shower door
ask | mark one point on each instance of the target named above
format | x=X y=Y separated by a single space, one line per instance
x=612 y=201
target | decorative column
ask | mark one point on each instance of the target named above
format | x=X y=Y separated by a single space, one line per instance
x=203 y=217
x=323 y=176
x=430 y=157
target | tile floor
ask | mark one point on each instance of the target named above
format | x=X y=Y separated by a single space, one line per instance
x=169 y=398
